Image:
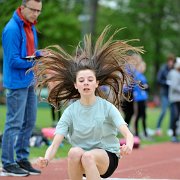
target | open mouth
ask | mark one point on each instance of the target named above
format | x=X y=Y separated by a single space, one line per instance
x=86 y=89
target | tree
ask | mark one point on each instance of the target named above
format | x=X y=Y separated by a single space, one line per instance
x=155 y=23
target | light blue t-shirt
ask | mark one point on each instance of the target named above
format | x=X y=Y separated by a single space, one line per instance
x=90 y=127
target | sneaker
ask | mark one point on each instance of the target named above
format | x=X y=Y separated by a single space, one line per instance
x=14 y=170
x=170 y=132
x=150 y=132
x=174 y=139
x=26 y=165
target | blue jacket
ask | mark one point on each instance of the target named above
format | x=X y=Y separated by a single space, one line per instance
x=162 y=80
x=14 y=50
x=140 y=94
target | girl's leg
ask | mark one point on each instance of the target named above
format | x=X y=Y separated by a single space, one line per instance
x=135 y=110
x=143 y=115
x=137 y=117
x=95 y=163
x=92 y=163
x=75 y=169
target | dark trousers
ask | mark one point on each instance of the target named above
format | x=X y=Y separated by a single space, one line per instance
x=175 y=110
x=140 y=113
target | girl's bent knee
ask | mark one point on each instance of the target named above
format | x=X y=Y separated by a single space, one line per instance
x=75 y=152
x=87 y=158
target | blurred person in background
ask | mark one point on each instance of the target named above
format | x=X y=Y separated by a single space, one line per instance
x=128 y=106
x=140 y=95
x=55 y=114
x=164 y=88
x=173 y=80
x=19 y=41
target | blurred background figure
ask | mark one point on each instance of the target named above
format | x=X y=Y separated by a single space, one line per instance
x=140 y=95
x=55 y=114
x=173 y=80
x=162 y=81
x=128 y=106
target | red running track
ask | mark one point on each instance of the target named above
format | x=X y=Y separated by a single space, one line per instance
x=160 y=161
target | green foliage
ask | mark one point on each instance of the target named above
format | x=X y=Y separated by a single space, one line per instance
x=155 y=23
x=7 y=9
x=58 y=26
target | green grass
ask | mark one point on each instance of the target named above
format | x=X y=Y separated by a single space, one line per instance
x=44 y=120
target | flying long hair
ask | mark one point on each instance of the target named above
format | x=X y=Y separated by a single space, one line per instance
x=108 y=59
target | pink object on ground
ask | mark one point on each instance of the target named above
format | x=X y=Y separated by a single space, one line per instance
x=48 y=132
x=137 y=142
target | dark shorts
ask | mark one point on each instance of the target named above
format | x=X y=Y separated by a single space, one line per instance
x=113 y=164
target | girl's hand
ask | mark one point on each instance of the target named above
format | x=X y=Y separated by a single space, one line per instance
x=45 y=53
x=125 y=150
x=42 y=162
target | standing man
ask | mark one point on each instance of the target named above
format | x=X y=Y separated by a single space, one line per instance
x=19 y=40
x=164 y=89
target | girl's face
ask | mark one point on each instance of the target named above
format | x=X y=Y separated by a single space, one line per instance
x=86 y=82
